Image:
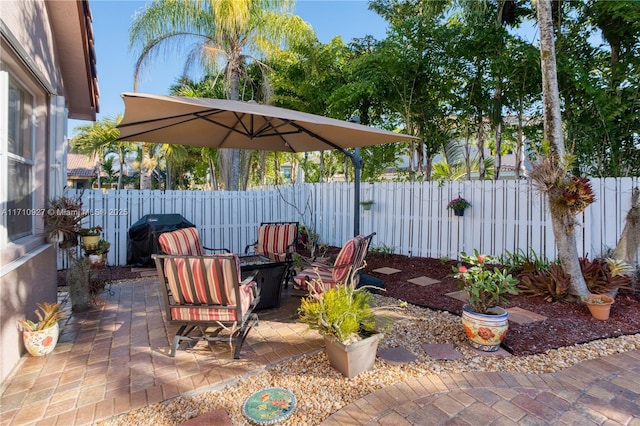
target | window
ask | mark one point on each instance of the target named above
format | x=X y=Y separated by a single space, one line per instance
x=19 y=217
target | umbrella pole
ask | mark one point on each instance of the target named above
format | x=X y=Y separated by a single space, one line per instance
x=357 y=165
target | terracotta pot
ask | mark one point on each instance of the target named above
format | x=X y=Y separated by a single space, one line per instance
x=354 y=358
x=600 y=310
x=41 y=342
x=485 y=331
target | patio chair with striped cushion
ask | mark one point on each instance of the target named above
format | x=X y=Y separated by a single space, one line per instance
x=203 y=292
x=276 y=240
x=185 y=241
x=318 y=277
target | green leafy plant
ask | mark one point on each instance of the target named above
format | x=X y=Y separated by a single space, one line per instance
x=48 y=314
x=103 y=247
x=521 y=261
x=382 y=249
x=458 y=203
x=486 y=286
x=342 y=312
x=92 y=231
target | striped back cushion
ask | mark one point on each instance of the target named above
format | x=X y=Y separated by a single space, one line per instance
x=209 y=280
x=275 y=239
x=344 y=261
x=184 y=241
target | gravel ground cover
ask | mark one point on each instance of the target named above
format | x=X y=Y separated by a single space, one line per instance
x=321 y=391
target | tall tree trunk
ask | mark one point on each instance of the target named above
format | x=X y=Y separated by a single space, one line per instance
x=212 y=173
x=563 y=222
x=467 y=154
x=263 y=168
x=520 y=143
x=146 y=167
x=629 y=242
x=481 y=170
x=229 y=159
x=121 y=160
x=498 y=160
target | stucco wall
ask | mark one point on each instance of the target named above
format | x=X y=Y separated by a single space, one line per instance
x=27 y=265
x=31 y=280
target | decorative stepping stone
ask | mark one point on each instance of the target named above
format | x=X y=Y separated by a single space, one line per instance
x=269 y=406
x=424 y=281
x=523 y=316
x=444 y=351
x=396 y=355
x=218 y=417
x=460 y=295
x=387 y=271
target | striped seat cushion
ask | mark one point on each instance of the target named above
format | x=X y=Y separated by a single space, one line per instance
x=184 y=241
x=188 y=285
x=274 y=240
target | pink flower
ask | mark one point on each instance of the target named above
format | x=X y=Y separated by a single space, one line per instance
x=481 y=258
x=462 y=269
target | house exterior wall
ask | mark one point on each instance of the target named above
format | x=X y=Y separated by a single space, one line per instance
x=30 y=59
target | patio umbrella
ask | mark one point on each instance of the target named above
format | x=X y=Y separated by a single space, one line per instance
x=220 y=123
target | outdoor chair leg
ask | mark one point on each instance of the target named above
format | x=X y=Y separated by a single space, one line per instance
x=242 y=334
x=176 y=341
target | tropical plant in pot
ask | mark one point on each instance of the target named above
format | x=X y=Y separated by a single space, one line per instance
x=599 y=305
x=40 y=337
x=485 y=323
x=343 y=315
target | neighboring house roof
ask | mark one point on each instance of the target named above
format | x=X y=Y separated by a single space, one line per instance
x=80 y=165
x=72 y=27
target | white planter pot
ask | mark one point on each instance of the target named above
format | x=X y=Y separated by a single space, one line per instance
x=352 y=359
x=41 y=342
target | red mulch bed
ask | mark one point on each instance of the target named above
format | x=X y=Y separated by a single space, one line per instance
x=566 y=324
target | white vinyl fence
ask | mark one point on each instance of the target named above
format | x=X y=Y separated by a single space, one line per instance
x=409 y=217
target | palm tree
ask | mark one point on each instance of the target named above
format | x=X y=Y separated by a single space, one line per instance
x=220 y=33
x=99 y=139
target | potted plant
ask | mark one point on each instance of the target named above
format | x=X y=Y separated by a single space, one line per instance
x=40 y=337
x=484 y=322
x=458 y=205
x=366 y=205
x=343 y=315
x=599 y=305
x=90 y=237
x=98 y=256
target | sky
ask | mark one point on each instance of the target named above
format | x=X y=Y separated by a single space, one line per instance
x=115 y=63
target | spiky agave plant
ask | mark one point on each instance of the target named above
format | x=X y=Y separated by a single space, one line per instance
x=48 y=314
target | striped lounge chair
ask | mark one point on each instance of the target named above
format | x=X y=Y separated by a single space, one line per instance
x=276 y=240
x=204 y=292
x=318 y=277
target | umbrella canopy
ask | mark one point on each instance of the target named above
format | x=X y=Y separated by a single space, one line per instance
x=220 y=123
